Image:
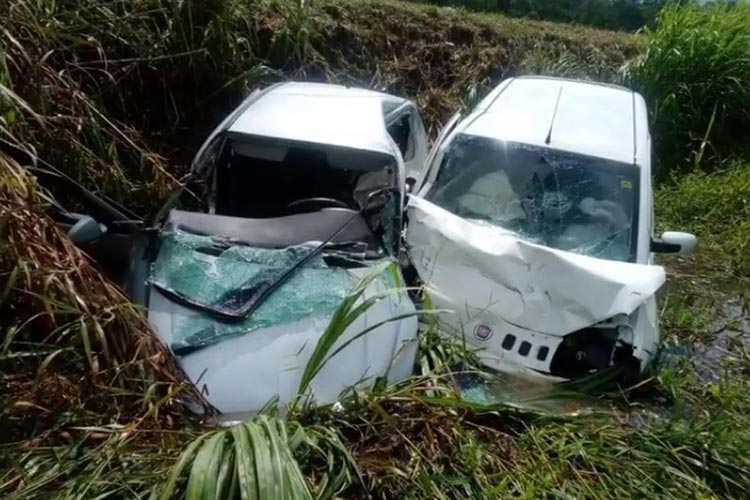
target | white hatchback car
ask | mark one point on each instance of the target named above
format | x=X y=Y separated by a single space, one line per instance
x=533 y=221
x=304 y=196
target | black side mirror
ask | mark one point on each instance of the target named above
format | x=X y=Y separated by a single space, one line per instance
x=86 y=230
x=410 y=183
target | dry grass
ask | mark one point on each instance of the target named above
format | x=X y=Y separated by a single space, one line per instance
x=437 y=55
x=71 y=339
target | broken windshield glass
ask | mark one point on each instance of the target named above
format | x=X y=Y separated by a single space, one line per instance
x=562 y=200
x=215 y=274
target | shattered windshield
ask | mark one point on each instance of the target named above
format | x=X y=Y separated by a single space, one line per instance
x=203 y=271
x=562 y=200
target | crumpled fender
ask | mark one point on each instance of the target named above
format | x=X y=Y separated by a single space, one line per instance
x=473 y=268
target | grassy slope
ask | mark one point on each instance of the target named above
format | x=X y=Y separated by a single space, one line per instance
x=435 y=55
x=80 y=66
x=405 y=445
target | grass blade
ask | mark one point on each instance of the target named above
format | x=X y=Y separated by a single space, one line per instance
x=204 y=474
x=169 y=488
x=245 y=459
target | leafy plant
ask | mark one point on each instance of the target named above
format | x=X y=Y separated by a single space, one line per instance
x=353 y=306
x=695 y=75
x=256 y=460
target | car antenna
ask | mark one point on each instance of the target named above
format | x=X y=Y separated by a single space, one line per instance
x=554 y=115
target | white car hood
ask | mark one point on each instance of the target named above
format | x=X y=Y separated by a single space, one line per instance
x=243 y=365
x=473 y=268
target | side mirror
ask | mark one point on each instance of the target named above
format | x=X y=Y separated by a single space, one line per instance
x=410 y=183
x=675 y=242
x=86 y=230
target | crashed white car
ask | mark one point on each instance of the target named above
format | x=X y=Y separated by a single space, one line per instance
x=533 y=222
x=304 y=197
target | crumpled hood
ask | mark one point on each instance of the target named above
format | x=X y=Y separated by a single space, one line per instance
x=473 y=268
x=243 y=366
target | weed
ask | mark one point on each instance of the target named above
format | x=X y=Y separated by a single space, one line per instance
x=71 y=338
x=717 y=208
x=695 y=75
x=256 y=460
x=686 y=314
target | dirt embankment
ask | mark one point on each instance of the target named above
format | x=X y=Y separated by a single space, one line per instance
x=436 y=55
x=167 y=77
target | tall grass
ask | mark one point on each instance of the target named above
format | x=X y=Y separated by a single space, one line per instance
x=70 y=337
x=71 y=72
x=695 y=74
x=717 y=207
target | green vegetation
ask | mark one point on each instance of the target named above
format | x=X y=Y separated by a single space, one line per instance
x=255 y=460
x=117 y=94
x=695 y=73
x=716 y=205
x=627 y=15
x=71 y=340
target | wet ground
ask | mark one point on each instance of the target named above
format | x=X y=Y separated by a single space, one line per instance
x=718 y=337
x=721 y=354
x=729 y=344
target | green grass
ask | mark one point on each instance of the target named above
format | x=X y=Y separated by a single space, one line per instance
x=695 y=74
x=83 y=413
x=717 y=208
x=256 y=460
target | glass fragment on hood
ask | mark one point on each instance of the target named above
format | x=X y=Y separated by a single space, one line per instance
x=214 y=274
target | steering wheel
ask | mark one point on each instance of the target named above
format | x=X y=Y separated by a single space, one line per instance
x=312 y=204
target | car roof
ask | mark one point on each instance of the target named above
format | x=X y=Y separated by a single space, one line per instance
x=321 y=114
x=583 y=117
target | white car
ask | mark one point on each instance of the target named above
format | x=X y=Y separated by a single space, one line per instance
x=533 y=222
x=304 y=196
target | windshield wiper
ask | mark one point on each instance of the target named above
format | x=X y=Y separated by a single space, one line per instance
x=238 y=305
x=236 y=308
